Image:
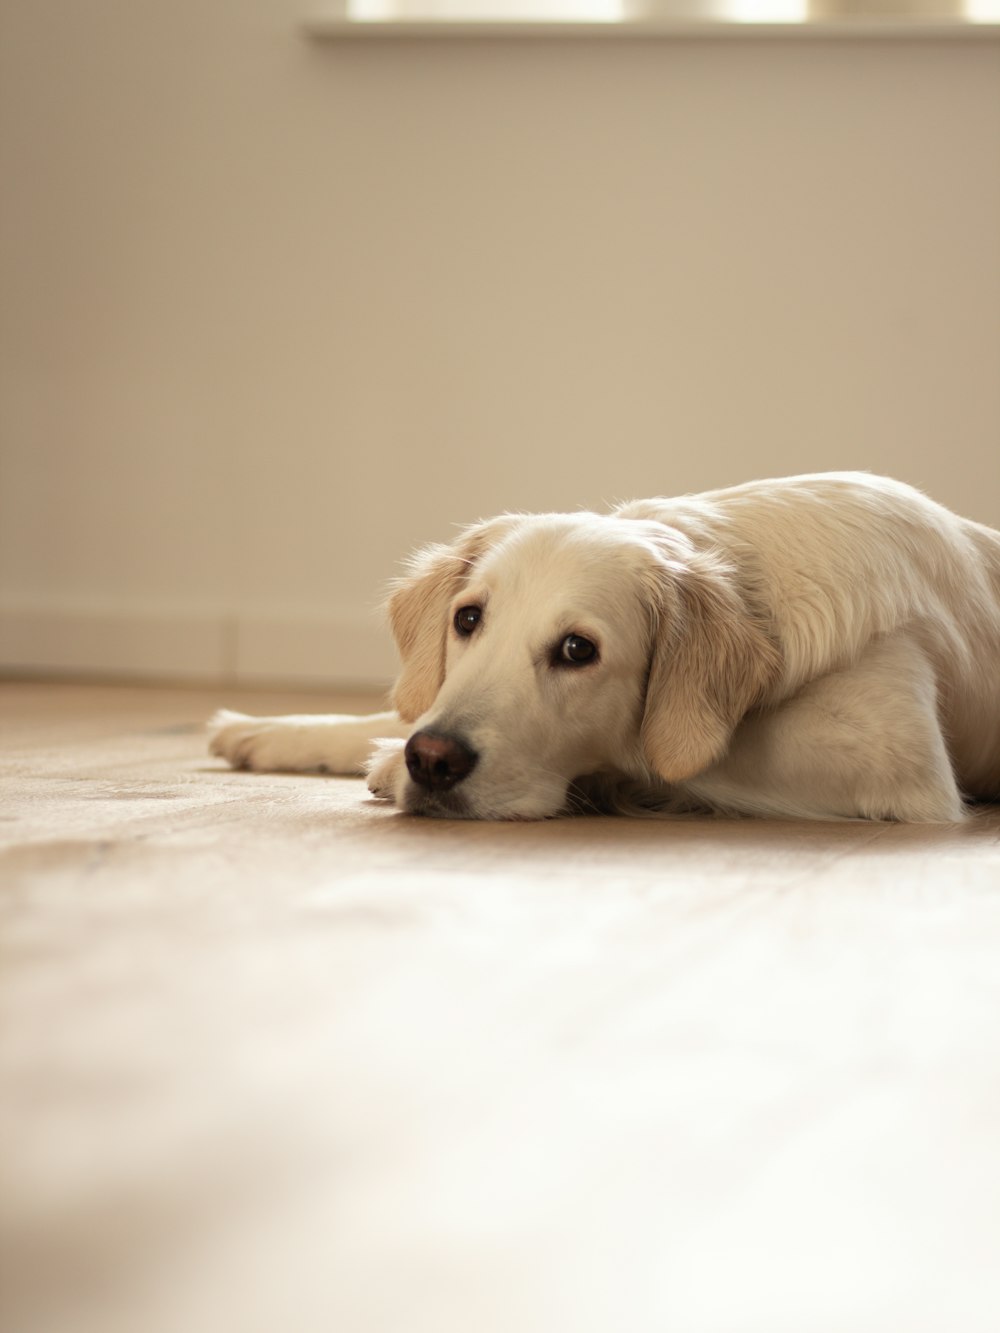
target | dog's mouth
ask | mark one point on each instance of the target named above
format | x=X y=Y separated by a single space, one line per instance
x=436 y=804
x=454 y=804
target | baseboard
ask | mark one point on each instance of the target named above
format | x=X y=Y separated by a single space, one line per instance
x=339 y=651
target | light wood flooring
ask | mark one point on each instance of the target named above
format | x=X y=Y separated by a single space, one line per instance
x=273 y=1056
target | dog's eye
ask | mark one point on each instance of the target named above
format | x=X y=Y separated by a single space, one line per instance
x=575 y=650
x=467 y=618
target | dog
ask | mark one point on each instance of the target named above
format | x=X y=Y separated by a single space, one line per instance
x=815 y=647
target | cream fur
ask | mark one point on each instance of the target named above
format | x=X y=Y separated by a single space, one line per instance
x=822 y=647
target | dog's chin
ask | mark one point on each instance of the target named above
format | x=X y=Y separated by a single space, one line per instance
x=435 y=805
x=455 y=804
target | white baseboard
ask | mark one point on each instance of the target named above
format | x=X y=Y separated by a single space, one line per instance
x=339 y=651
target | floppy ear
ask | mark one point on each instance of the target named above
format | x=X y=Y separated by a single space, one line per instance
x=418 y=612
x=712 y=662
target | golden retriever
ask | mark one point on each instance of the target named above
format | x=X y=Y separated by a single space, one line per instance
x=820 y=647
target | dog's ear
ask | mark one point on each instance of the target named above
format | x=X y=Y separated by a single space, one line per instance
x=711 y=663
x=418 y=612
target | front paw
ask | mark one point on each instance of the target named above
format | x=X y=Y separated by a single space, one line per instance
x=265 y=744
x=387 y=770
x=237 y=738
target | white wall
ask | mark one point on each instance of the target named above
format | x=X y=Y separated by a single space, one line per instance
x=274 y=311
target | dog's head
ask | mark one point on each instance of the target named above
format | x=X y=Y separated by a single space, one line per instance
x=540 y=649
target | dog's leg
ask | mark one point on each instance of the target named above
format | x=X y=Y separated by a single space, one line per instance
x=302 y=743
x=862 y=743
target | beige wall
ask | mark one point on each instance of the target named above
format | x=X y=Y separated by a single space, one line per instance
x=274 y=311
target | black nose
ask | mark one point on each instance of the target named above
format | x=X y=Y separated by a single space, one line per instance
x=438 y=761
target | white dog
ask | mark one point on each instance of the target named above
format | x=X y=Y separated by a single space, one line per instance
x=823 y=647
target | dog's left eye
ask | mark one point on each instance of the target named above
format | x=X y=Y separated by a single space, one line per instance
x=575 y=650
x=466 y=619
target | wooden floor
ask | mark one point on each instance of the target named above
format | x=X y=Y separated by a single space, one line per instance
x=275 y=1057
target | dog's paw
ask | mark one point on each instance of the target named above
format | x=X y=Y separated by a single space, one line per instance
x=237 y=738
x=225 y=728
x=386 y=770
x=267 y=744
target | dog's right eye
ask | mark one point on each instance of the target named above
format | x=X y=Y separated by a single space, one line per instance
x=467 y=618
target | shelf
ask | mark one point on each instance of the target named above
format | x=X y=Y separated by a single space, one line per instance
x=668 y=18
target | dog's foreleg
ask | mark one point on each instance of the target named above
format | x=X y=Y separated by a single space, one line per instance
x=863 y=742
x=301 y=743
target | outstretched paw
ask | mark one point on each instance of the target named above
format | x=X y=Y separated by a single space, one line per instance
x=298 y=743
x=276 y=744
x=240 y=739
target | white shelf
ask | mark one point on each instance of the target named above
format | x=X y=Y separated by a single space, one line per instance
x=668 y=18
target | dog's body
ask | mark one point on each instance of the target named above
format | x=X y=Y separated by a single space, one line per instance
x=822 y=647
